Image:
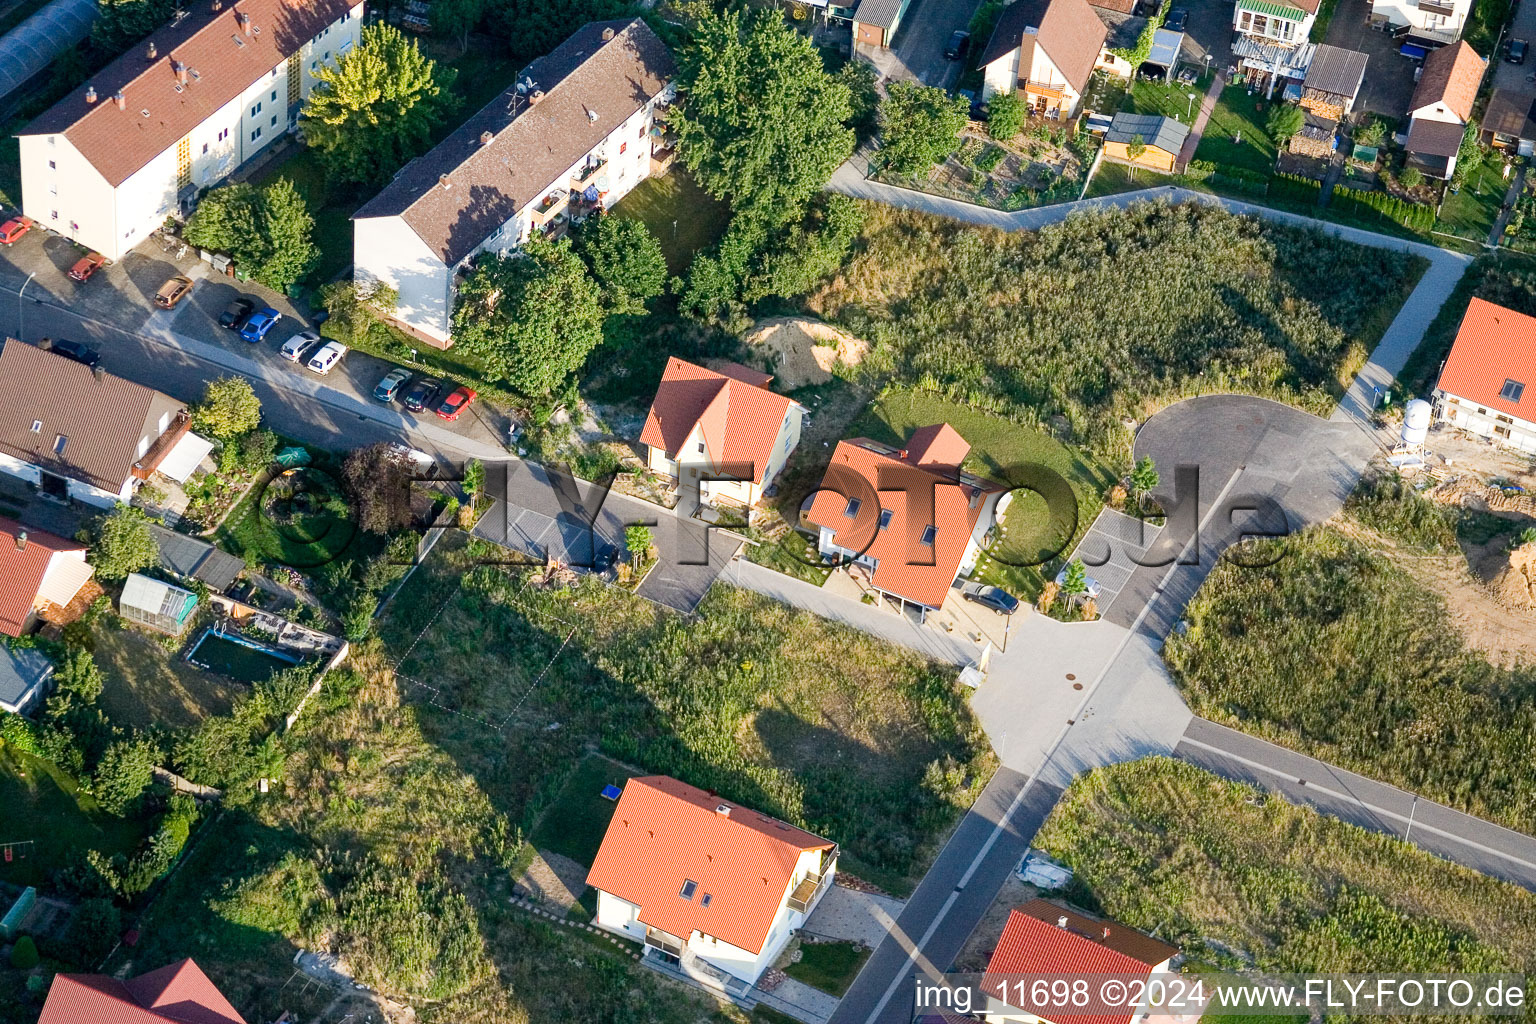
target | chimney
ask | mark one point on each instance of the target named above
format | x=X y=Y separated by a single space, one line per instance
x=486 y=137
x=98 y=372
x=442 y=179
x=1061 y=922
x=90 y=94
x=218 y=5
x=724 y=810
x=538 y=94
x=21 y=540
x=120 y=100
x=607 y=33
x=1106 y=932
x=153 y=51
x=245 y=21
x=181 y=72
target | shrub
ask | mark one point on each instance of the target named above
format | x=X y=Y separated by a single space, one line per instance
x=1005 y=115
x=1411 y=177
x=24 y=954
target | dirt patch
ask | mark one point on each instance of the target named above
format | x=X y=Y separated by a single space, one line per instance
x=977 y=951
x=1515 y=587
x=1467 y=455
x=804 y=351
x=554 y=879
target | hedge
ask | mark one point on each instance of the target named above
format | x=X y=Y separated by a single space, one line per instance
x=1363 y=203
x=1296 y=188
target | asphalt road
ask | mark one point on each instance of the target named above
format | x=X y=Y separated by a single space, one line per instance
x=919 y=51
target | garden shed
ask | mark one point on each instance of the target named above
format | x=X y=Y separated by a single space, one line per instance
x=158 y=605
x=1162 y=137
x=1333 y=81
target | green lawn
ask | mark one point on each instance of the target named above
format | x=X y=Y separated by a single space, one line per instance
x=829 y=966
x=309 y=540
x=1471 y=212
x=574 y=824
x=681 y=215
x=1001 y=450
x=794 y=554
x=332 y=208
x=1112 y=178
x=144 y=685
x=1170 y=99
x=44 y=805
x=1237 y=114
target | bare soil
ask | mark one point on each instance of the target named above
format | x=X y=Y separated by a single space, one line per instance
x=554 y=879
x=977 y=951
x=802 y=350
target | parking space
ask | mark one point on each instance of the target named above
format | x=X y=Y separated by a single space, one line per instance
x=1111 y=550
x=918 y=53
x=1209 y=32
x=1388 y=85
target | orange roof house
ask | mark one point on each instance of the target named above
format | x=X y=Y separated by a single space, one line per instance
x=722 y=422
x=1488 y=383
x=1442 y=106
x=696 y=877
x=178 y=993
x=908 y=516
x=1043 y=937
x=37 y=569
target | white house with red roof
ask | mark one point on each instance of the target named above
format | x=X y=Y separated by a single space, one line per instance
x=1044 y=937
x=178 y=993
x=1488 y=384
x=706 y=883
x=908 y=517
x=710 y=424
x=37 y=569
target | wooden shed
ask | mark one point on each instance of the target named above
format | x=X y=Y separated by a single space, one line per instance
x=1313 y=140
x=1333 y=81
x=1161 y=137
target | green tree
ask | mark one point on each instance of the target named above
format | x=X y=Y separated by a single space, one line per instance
x=1469 y=156
x=474 y=478
x=125 y=771
x=1284 y=121
x=1372 y=133
x=229 y=409
x=1075 y=581
x=861 y=78
x=229 y=219
x=534 y=27
x=533 y=317
x=456 y=19
x=124 y=543
x=1135 y=147
x=376 y=109
x=122 y=22
x=919 y=125
x=24 y=954
x=1005 y=115
x=760 y=123
x=637 y=540
x=1144 y=476
x=93 y=930
x=355 y=310
x=288 y=232
x=627 y=261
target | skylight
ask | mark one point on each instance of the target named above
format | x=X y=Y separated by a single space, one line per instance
x=1512 y=390
x=852 y=509
x=688 y=889
x=929 y=532
x=706 y=899
x=59 y=443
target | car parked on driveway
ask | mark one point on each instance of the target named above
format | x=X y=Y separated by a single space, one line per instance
x=1517 y=48
x=173 y=291
x=301 y=346
x=452 y=407
x=12 y=230
x=329 y=354
x=259 y=323
x=386 y=389
x=235 y=313
x=957 y=45
x=421 y=394
x=996 y=598
x=1177 y=20
x=87 y=265
x=76 y=351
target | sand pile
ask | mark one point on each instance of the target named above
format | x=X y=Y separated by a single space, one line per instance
x=1516 y=585
x=804 y=351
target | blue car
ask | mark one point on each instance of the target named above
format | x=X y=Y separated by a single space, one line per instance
x=259 y=323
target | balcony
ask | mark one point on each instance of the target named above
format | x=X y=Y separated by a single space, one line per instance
x=805 y=893
x=587 y=174
x=663 y=942
x=550 y=207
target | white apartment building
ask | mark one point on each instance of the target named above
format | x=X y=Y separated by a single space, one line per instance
x=573 y=134
x=1435 y=22
x=176 y=114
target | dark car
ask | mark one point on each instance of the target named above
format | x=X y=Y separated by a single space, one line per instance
x=235 y=313
x=996 y=598
x=421 y=394
x=1177 y=19
x=389 y=387
x=1517 y=48
x=957 y=45
x=76 y=351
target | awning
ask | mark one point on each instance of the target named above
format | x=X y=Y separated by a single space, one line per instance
x=1413 y=52
x=183 y=459
x=1273 y=10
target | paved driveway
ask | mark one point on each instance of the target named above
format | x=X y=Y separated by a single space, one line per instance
x=1209 y=32
x=919 y=51
x=1388 y=85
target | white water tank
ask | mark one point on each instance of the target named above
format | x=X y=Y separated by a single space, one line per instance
x=1416 y=417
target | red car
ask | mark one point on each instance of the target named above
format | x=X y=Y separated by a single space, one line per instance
x=87 y=265
x=456 y=403
x=14 y=228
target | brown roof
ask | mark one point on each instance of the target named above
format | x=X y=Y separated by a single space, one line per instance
x=665 y=833
x=1068 y=30
x=222 y=62
x=920 y=486
x=1511 y=112
x=178 y=993
x=1118 y=6
x=101 y=418
x=532 y=144
x=1451 y=75
x=22 y=570
x=1434 y=138
x=739 y=416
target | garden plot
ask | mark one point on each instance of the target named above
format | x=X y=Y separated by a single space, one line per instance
x=1036 y=168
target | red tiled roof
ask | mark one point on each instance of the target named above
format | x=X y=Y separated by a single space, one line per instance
x=120 y=142
x=179 y=993
x=1035 y=941
x=1494 y=345
x=22 y=571
x=1451 y=75
x=920 y=486
x=665 y=832
x=739 y=416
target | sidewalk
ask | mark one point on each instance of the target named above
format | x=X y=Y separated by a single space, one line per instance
x=1196 y=130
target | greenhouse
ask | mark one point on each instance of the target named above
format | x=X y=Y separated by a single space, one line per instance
x=157 y=605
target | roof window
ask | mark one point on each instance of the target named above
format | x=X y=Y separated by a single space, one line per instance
x=59 y=443
x=37 y=426
x=851 y=510
x=1512 y=390
x=706 y=899
x=688 y=889
x=929 y=532
x=885 y=517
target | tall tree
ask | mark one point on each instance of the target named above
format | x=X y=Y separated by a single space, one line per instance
x=533 y=317
x=379 y=483
x=229 y=409
x=288 y=230
x=760 y=122
x=1005 y=115
x=627 y=261
x=121 y=22
x=228 y=219
x=919 y=125
x=124 y=543
x=456 y=19
x=124 y=773
x=376 y=109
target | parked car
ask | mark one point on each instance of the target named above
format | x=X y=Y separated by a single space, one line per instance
x=173 y=291
x=389 y=387
x=12 y=230
x=327 y=357
x=1177 y=20
x=454 y=405
x=958 y=43
x=1090 y=585
x=301 y=346
x=76 y=351
x=421 y=394
x=235 y=313
x=1517 y=48
x=259 y=323
x=996 y=598
x=87 y=265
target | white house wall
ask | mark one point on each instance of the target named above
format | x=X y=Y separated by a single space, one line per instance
x=78 y=490
x=1398 y=13
x=1466 y=415
x=618 y=915
x=385 y=249
x=62 y=192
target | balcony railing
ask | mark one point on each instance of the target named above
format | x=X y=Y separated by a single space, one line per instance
x=1054 y=92
x=664 y=942
x=587 y=174
x=551 y=205
x=805 y=893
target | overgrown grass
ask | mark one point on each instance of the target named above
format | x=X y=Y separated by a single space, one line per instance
x=45 y=806
x=1387 y=503
x=683 y=217
x=829 y=966
x=1248 y=882
x=574 y=824
x=1112 y=314
x=1335 y=651
x=146 y=686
